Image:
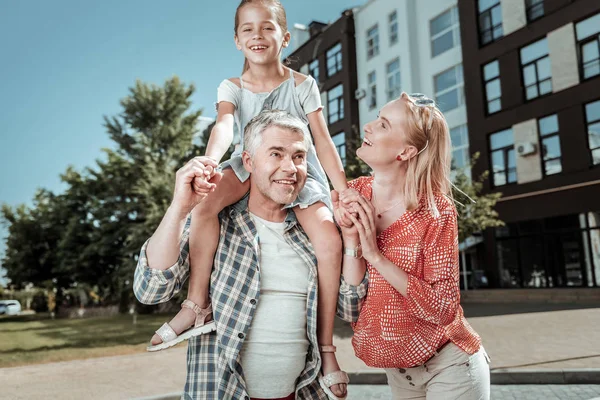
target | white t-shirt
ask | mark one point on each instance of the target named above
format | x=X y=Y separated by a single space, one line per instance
x=274 y=353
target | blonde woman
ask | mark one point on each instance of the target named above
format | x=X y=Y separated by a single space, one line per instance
x=405 y=237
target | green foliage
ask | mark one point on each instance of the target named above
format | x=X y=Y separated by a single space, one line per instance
x=355 y=167
x=474 y=217
x=92 y=233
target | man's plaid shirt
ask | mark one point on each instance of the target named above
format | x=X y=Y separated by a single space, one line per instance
x=213 y=368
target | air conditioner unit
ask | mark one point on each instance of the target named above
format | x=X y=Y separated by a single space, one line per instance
x=526 y=148
x=359 y=94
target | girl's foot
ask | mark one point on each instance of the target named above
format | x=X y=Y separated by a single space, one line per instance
x=333 y=378
x=190 y=321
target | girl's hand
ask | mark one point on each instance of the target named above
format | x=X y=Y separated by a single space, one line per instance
x=349 y=196
x=365 y=225
x=202 y=184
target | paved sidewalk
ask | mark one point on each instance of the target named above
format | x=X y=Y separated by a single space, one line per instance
x=541 y=341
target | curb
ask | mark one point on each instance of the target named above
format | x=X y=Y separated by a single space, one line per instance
x=586 y=376
x=583 y=376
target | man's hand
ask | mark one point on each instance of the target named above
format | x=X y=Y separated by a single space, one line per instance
x=193 y=182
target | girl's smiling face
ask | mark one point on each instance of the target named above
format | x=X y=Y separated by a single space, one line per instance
x=259 y=36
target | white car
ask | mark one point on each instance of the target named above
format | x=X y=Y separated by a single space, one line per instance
x=10 y=307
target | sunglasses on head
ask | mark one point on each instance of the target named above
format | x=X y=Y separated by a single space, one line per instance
x=420 y=100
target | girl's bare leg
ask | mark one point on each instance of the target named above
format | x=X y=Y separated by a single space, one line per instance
x=204 y=238
x=317 y=221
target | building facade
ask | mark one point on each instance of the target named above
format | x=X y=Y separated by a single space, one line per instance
x=412 y=46
x=327 y=52
x=533 y=107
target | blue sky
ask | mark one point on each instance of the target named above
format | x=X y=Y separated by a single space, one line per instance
x=67 y=63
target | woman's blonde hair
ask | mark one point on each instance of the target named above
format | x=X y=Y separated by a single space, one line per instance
x=277 y=10
x=428 y=172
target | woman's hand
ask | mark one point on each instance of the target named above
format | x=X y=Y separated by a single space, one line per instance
x=365 y=225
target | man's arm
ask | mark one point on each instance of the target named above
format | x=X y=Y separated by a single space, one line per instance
x=154 y=285
x=163 y=264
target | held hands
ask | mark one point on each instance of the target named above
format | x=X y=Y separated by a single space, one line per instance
x=193 y=182
x=340 y=212
x=363 y=220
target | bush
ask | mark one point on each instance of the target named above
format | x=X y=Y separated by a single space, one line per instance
x=39 y=303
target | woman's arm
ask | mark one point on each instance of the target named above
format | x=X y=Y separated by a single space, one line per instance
x=354 y=282
x=326 y=151
x=221 y=135
x=436 y=297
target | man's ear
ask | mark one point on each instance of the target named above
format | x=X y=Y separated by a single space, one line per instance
x=247 y=160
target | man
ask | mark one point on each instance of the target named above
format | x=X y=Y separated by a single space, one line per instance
x=267 y=284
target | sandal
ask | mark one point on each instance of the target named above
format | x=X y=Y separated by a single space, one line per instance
x=332 y=378
x=170 y=338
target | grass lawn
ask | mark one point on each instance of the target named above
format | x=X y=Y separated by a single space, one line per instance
x=37 y=339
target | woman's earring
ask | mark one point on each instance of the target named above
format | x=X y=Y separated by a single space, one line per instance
x=399 y=157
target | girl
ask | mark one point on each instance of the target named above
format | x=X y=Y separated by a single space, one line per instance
x=261 y=34
x=411 y=322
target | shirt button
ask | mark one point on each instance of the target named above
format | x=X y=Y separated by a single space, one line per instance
x=241 y=335
x=253 y=301
x=401 y=370
x=246 y=398
x=408 y=377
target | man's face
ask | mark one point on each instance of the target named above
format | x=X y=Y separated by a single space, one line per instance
x=278 y=167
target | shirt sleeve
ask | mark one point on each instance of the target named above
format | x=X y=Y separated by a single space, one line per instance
x=153 y=286
x=357 y=183
x=436 y=297
x=228 y=91
x=309 y=95
x=351 y=299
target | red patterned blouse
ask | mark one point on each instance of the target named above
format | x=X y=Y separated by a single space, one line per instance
x=394 y=331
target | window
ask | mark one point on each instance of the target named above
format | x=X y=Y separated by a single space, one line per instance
x=504 y=163
x=313 y=69
x=550 y=142
x=334 y=60
x=444 y=32
x=535 y=63
x=490 y=21
x=592 y=116
x=449 y=89
x=372 y=90
x=339 y=140
x=588 y=41
x=335 y=104
x=393 y=24
x=460 y=147
x=493 y=92
x=561 y=251
x=393 y=79
x=372 y=42
x=534 y=9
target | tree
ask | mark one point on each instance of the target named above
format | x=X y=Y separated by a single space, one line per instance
x=355 y=167
x=91 y=234
x=479 y=214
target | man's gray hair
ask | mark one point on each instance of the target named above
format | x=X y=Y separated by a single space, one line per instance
x=268 y=118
